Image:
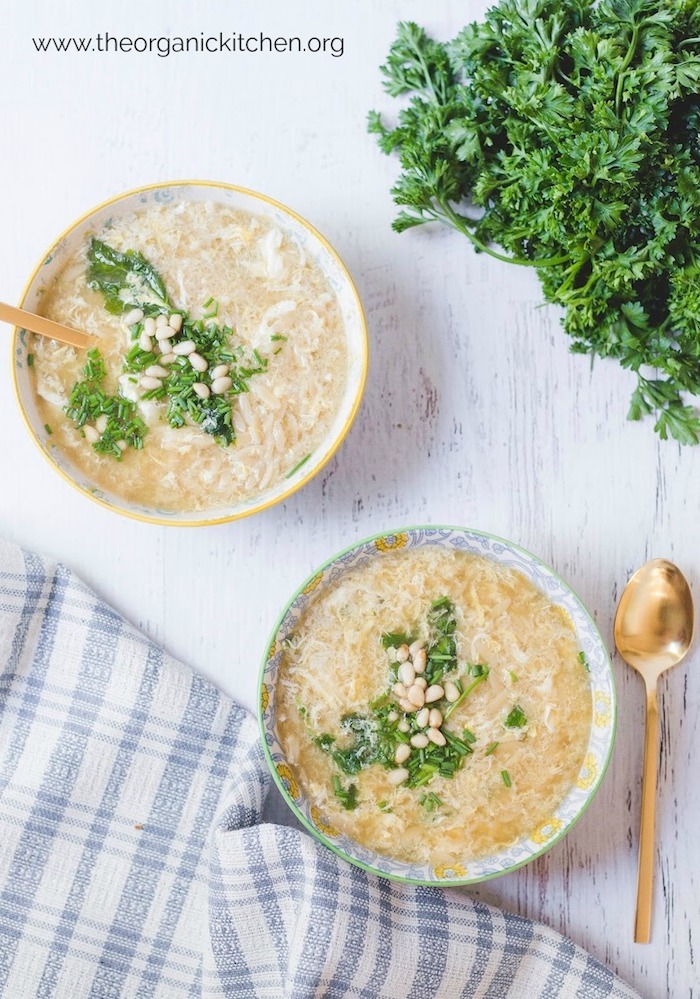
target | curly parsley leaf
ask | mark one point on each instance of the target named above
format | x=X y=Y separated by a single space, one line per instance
x=567 y=134
x=125 y=279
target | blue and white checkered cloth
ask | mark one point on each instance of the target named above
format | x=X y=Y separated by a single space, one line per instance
x=134 y=861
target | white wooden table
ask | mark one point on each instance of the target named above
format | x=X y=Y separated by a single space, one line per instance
x=475 y=413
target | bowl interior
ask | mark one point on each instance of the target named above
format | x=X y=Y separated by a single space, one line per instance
x=316 y=248
x=602 y=689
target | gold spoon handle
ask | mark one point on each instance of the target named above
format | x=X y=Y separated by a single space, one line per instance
x=645 y=874
x=46 y=327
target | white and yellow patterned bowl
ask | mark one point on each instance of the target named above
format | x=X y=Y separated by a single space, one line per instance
x=600 y=742
x=235 y=197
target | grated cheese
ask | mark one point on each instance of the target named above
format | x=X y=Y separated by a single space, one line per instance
x=336 y=664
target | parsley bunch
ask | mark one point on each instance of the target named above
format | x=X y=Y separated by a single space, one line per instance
x=567 y=133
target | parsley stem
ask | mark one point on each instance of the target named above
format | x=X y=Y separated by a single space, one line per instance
x=465 y=693
x=430 y=83
x=624 y=67
x=452 y=218
x=297 y=466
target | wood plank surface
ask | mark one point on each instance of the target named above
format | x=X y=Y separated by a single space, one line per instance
x=475 y=412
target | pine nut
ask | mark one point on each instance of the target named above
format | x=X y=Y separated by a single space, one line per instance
x=165 y=346
x=434 y=693
x=155 y=371
x=133 y=317
x=402 y=653
x=122 y=445
x=392 y=716
x=175 y=322
x=145 y=343
x=220 y=370
x=398 y=776
x=399 y=689
x=406 y=706
x=419 y=660
x=198 y=362
x=416 y=647
x=403 y=751
x=421 y=682
x=451 y=691
x=163 y=333
x=161 y=321
x=419 y=740
x=101 y=423
x=436 y=736
x=90 y=433
x=149 y=383
x=185 y=347
x=416 y=696
x=221 y=385
x=435 y=718
x=391 y=651
x=168 y=358
x=201 y=390
x=423 y=717
x=403 y=726
x=407 y=674
x=149 y=326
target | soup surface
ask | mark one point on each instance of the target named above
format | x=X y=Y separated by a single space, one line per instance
x=502 y=667
x=267 y=301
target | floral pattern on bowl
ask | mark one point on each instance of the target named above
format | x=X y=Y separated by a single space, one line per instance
x=601 y=738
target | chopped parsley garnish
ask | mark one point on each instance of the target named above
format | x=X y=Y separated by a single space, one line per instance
x=363 y=749
x=299 y=465
x=442 y=647
x=506 y=778
x=48 y=429
x=88 y=402
x=466 y=692
x=584 y=662
x=430 y=801
x=346 y=796
x=395 y=639
x=324 y=741
x=30 y=360
x=375 y=737
x=516 y=719
x=513 y=676
x=492 y=748
x=127 y=281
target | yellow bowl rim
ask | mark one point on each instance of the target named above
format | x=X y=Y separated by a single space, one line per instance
x=259 y=508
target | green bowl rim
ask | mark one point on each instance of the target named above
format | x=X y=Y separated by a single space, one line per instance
x=316 y=833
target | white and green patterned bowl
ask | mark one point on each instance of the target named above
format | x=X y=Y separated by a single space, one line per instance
x=600 y=742
x=314 y=245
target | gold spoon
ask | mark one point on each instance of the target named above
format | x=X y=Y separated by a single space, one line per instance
x=653 y=631
x=46 y=327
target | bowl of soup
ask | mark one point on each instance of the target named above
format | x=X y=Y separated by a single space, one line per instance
x=437 y=705
x=230 y=361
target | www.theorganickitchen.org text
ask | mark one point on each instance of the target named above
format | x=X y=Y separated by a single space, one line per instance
x=167 y=45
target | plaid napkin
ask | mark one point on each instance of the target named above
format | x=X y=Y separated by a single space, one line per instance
x=133 y=858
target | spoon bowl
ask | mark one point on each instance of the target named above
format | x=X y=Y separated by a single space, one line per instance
x=653 y=632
